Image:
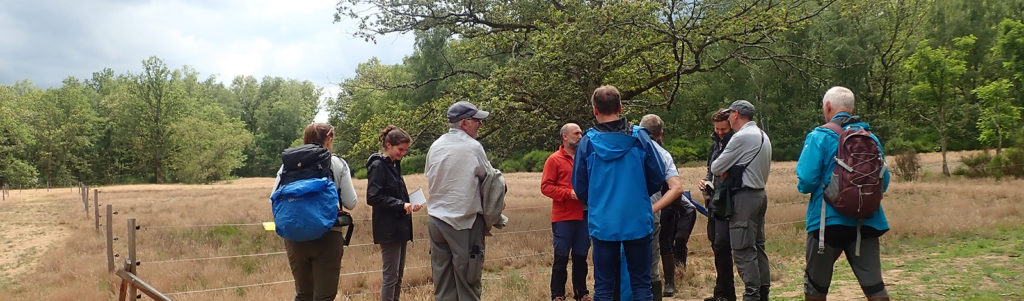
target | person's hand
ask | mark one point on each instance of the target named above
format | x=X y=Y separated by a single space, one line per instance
x=701 y=185
x=417 y=207
x=408 y=208
x=572 y=193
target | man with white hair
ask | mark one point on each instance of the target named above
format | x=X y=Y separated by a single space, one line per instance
x=814 y=169
x=456 y=165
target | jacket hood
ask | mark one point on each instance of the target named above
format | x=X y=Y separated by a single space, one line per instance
x=846 y=120
x=376 y=157
x=611 y=145
x=725 y=139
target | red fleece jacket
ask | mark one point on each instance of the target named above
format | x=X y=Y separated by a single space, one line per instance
x=556 y=183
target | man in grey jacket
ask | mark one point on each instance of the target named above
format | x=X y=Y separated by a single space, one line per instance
x=749 y=148
x=456 y=165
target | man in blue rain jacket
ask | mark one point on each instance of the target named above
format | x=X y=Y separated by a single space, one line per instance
x=614 y=173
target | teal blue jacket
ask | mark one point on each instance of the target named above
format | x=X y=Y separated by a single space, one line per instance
x=813 y=171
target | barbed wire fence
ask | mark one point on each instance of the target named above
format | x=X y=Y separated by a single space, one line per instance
x=132 y=283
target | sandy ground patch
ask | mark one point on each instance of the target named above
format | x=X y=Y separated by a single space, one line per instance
x=31 y=223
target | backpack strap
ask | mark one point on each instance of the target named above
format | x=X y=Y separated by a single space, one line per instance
x=821 y=225
x=836 y=127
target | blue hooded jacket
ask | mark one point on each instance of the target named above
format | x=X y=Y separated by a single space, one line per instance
x=813 y=171
x=614 y=173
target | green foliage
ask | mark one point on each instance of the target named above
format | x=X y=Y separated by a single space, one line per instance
x=209 y=147
x=1010 y=46
x=414 y=164
x=998 y=114
x=976 y=166
x=15 y=138
x=688 y=150
x=530 y=162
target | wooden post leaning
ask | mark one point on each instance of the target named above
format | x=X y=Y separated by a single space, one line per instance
x=110 y=239
x=96 y=206
x=132 y=260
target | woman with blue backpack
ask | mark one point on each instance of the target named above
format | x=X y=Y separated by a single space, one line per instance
x=392 y=212
x=310 y=184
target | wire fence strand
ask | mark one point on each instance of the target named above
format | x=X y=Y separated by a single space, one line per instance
x=341 y=275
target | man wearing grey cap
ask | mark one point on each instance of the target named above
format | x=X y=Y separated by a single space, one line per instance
x=456 y=165
x=748 y=156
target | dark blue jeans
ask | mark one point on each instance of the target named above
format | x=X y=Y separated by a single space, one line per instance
x=606 y=267
x=570 y=240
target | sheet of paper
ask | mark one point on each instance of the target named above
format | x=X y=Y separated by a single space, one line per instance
x=269 y=226
x=417 y=197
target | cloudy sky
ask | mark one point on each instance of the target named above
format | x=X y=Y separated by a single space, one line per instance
x=46 y=41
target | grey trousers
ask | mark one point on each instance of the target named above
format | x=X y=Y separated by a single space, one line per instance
x=393 y=265
x=656 y=249
x=867 y=267
x=746 y=237
x=456 y=259
x=316 y=266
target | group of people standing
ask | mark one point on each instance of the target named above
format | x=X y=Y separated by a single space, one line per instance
x=601 y=180
x=614 y=188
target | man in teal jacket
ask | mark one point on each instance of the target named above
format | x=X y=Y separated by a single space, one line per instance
x=813 y=170
x=614 y=173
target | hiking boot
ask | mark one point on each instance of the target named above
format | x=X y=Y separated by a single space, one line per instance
x=585 y=298
x=669 y=268
x=813 y=298
x=656 y=290
x=714 y=298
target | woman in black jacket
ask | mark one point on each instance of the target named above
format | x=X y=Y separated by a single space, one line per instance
x=392 y=219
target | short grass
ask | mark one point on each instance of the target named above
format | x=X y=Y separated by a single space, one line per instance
x=951 y=239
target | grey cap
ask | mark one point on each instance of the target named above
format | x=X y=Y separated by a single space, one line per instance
x=463 y=109
x=743 y=107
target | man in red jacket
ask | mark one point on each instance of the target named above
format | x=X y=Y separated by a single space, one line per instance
x=568 y=217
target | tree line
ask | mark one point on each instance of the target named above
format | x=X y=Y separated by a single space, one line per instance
x=156 y=126
x=930 y=75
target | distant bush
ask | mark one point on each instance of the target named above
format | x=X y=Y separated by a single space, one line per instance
x=530 y=162
x=907 y=165
x=360 y=174
x=1014 y=164
x=976 y=166
x=1008 y=164
x=688 y=150
x=414 y=164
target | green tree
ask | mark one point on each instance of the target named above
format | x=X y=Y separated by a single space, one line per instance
x=275 y=111
x=208 y=146
x=15 y=138
x=999 y=117
x=534 y=64
x=937 y=72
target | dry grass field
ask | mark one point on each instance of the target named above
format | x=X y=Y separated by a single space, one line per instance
x=951 y=239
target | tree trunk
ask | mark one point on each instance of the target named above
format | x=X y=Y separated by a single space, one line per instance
x=943 y=126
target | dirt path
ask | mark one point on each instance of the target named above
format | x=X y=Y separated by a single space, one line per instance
x=31 y=223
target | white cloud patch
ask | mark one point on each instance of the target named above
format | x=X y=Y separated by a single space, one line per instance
x=46 y=41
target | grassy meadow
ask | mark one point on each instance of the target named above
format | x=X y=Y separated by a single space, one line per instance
x=951 y=239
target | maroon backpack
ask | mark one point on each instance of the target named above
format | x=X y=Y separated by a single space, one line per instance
x=855 y=188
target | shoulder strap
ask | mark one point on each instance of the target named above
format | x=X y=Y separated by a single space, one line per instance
x=759 y=147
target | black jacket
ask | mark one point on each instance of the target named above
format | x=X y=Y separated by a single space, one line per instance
x=717 y=146
x=387 y=195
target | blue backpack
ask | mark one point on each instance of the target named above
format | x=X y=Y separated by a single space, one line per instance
x=305 y=204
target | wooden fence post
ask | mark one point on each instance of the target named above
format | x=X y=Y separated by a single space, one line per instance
x=132 y=260
x=96 y=206
x=110 y=239
x=85 y=201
